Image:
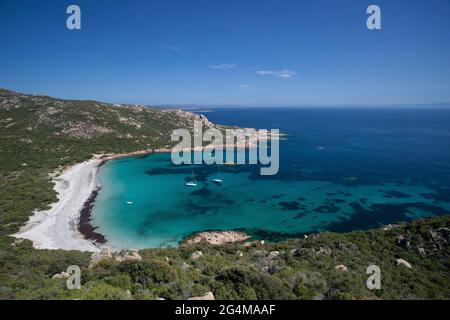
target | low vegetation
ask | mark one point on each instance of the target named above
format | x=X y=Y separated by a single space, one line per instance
x=40 y=134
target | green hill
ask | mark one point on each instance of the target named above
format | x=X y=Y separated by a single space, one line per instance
x=38 y=134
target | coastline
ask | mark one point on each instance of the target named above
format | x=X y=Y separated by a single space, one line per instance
x=57 y=227
x=66 y=225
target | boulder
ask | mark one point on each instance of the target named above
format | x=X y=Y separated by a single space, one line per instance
x=239 y=253
x=273 y=255
x=196 y=254
x=62 y=275
x=422 y=252
x=341 y=267
x=207 y=296
x=402 y=262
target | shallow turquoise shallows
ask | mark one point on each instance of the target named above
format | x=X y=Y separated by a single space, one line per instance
x=340 y=170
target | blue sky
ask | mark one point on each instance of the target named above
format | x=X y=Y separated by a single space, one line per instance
x=240 y=52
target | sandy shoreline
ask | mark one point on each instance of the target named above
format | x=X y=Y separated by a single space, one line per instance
x=57 y=228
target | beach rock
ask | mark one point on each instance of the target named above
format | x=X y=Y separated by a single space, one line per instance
x=273 y=255
x=196 y=254
x=262 y=242
x=216 y=237
x=239 y=253
x=207 y=296
x=404 y=263
x=341 y=267
x=62 y=275
x=96 y=257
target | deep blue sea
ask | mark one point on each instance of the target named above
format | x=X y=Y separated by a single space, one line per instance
x=341 y=169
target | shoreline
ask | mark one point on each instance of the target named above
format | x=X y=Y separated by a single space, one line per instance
x=58 y=227
x=67 y=224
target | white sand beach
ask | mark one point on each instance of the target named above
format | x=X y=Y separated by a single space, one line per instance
x=57 y=228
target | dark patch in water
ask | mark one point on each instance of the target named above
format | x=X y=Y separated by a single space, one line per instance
x=327 y=207
x=379 y=215
x=428 y=196
x=196 y=208
x=290 y=206
x=338 y=200
x=395 y=194
x=299 y=215
x=203 y=192
x=441 y=194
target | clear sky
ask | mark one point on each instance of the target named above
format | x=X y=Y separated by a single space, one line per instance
x=242 y=52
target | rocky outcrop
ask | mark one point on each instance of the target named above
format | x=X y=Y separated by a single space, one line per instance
x=196 y=255
x=216 y=237
x=130 y=254
x=207 y=296
x=323 y=250
x=106 y=254
x=96 y=257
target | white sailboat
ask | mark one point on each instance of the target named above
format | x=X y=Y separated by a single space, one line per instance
x=193 y=182
x=218 y=180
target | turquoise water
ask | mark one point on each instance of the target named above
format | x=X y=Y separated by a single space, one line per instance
x=340 y=170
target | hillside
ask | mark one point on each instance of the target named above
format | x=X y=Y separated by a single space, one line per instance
x=38 y=134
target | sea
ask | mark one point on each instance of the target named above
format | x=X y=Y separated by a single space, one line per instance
x=341 y=169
